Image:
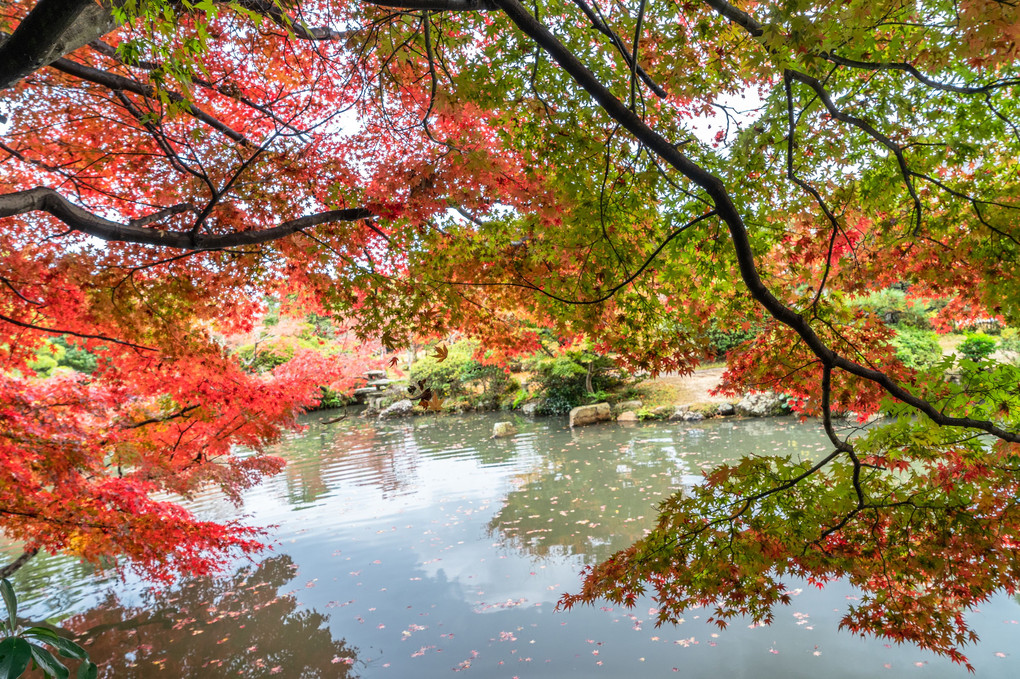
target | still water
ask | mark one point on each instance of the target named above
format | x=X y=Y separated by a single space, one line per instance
x=423 y=548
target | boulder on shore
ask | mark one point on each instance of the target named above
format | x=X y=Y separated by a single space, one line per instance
x=762 y=404
x=725 y=410
x=584 y=415
x=627 y=416
x=402 y=408
x=530 y=409
x=503 y=429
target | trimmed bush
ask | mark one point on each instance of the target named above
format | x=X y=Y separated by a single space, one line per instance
x=978 y=346
x=916 y=348
x=461 y=373
x=564 y=379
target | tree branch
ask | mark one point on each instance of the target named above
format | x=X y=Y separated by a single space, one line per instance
x=118 y=82
x=47 y=200
x=9 y=570
x=439 y=5
x=58 y=331
x=52 y=29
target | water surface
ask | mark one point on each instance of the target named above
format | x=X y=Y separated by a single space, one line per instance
x=424 y=547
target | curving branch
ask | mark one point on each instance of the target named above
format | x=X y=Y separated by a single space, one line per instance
x=756 y=30
x=272 y=11
x=439 y=5
x=630 y=56
x=47 y=200
x=120 y=83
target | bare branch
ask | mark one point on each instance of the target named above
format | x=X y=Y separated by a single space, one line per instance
x=47 y=200
x=118 y=82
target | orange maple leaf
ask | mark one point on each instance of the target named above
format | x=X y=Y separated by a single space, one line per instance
x=435 y=404
x=441 y=353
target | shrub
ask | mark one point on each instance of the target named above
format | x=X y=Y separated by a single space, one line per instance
x=978 y=346
x=461 y=372
x=1009 y=344
x=75 y=357
x=721 y=341
x=893 y=307
x=563 y=379
x=47 y=359
x=916 y=348
x=61 y=353
x=263 y=358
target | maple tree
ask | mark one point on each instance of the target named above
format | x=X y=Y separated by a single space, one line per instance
x=424 y=165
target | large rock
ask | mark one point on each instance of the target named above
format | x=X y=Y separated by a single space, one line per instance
x=678 y=413
x=530 y=409
x=692 y=416
x=584 y=415
x=762 y=404
x=627 y=416
x=401 y=408
x=503 y=429
x=725 y=409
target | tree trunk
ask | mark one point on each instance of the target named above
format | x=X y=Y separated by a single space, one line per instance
x=9 y=570
x=52 y=29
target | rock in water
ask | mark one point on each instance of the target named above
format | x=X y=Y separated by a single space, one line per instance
x=401 y=408
x=583 y=415
x=503 y=429
x=762 y=404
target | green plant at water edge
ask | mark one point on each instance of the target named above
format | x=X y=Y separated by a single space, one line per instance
x=20 y=648
x=462 y=373
x=978 y=346
x=566 y=377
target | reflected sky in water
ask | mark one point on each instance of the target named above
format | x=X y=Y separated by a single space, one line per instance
x=423 y=547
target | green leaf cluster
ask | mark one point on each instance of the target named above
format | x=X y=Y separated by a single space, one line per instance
x=24 y=648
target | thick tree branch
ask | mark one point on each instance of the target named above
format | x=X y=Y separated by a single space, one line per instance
x=52 y=29
x=11 y=568
x=47 y=200
x=118 y=82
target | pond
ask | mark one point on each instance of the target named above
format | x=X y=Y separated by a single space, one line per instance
x=424 y=547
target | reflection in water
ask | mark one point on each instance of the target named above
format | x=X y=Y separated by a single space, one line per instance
x=597 y=491
x=227 y=627
x=434 y=548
